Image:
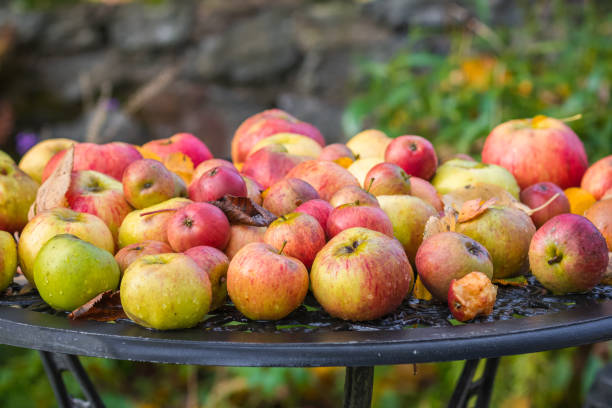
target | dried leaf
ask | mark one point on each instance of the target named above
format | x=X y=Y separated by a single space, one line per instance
x=52 y=193
x=420 y=291
x=180 y=164
x=433 y=226
x=473 y=208
x=607 y=279
x=518 y=281
x=529 y=211
x=449 y=219
x=147 y=154
x=103 y=308
x=243 y=210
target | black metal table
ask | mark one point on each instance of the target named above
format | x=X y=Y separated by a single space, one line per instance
x=360 y=348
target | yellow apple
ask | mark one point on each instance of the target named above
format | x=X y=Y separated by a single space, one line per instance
x=34 y=161
x=361 y=167
x=295 y=144
x=369 y=143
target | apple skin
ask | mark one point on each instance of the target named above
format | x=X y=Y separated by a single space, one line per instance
x=126 y=255
x=185 y=143
x=241 y=236
x=215 y=264
x=265 y=124
x=456 y=173
x=295 y=144
x=50 y=223
x=286 y=195
x=424 y=190
x=408 y=216
x=266 y=285
x=446 y=256
x=210 y=164
x=198 y=224
x=600 y=214
x=147 y=182
x=353 y=194
x=254 y=190
x=96 y=193
x=481 y=191
x=538 y=194
x=33 y=162
x=269 y=165
x=369 y=143
x=8 y=259
x=319 y=209
x=17 y=193
x=561 y=156
x=360 y=168
x=299 y=235
x=216 y=183
x=598 y=178
x=136 y=228
x=361 y=274
x=387 y=179
x=166 y=292
x=68 y=285
x=414 y=154
x=506 y=233
x=110 y=158
x=180 y=188
x=326 y=177
x=568 y=254
x=470 y=296
x=353 y=215
x=335 y=151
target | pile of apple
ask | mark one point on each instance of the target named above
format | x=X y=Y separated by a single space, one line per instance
x=353 y=221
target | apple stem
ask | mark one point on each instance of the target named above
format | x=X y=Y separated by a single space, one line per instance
x=546 y=204
x=282 y=248
x=371 y=182
x=577 y=116
x=158 y=211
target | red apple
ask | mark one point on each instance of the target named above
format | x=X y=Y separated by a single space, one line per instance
x=319 y=209
x=110 y=159
x=286 y=195
x=424 y=190
x=269 y=165
x=598 y=178
x=538 y=194
x=560 y=154
x=387 y=179
x=298 y=235
x=414 y=154
x=336 y=151
x=568 y=254
x=600 y=214
x=209 y=165
x=216 y=183
x=266 y=285
x=361 y=275
x=98 y=194
x=126 y=255
x=185 y=143
x=147 y=182
x=265 y=124
x=215 y=264
x=353 y=194
x=472 y=295
x=241 y=236
x=198 y=224
x=353 y=215
x=325 y=176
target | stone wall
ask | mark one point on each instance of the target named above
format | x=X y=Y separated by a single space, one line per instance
x=197 y=66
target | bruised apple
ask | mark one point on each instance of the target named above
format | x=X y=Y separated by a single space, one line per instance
x=471 y=296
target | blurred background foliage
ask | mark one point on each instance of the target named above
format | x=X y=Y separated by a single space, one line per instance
x=558 y=63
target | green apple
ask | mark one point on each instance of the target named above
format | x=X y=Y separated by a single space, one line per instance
x=5 y=157
x=8 y=259
x=408 y=215
x=69 y=272
x=57 y=221
x=458 y=173
x=17 y=193
x=166 y=291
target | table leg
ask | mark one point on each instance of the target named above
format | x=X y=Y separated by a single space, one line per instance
x=482 y=388
x=55 y=364
x=358 y=387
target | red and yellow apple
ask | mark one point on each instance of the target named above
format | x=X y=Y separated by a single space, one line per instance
x=215 y=264
x=369 y=143
x=286 y=195
x=128 y=254
x=414 y=154
x=326 y=177
x=538 y=194
x=354 y=215
x=216 y=183
x=598 y=178
x=185 y=143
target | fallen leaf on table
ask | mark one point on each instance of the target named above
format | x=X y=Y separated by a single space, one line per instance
x=52 y=193
x=243 y=210
x=103 y=308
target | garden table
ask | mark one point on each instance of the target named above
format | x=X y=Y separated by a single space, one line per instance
x=526 y=320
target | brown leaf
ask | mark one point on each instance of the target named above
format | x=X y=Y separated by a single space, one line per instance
x=473 y=208
x=53 y=191
x=243 y=210
x=103 y=308
x=433 y=226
